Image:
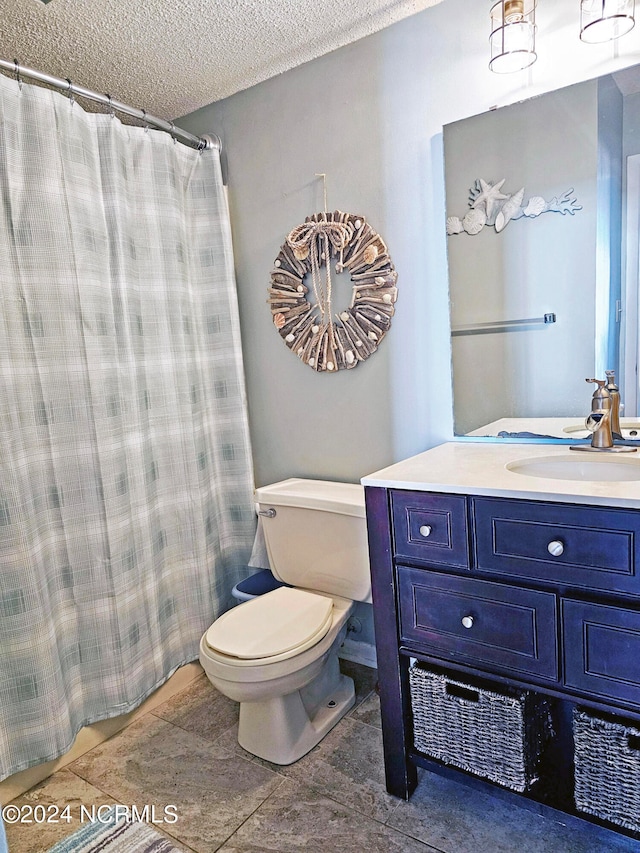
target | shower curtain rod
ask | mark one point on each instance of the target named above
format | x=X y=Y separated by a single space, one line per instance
x=200 y=143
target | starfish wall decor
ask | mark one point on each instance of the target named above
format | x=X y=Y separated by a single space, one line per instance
x=488 y=205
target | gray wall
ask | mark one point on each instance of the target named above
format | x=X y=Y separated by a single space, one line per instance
x=631 y=125
x=369 y=115
x=331 y=116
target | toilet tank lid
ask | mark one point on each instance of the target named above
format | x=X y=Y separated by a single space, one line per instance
x=343 y=498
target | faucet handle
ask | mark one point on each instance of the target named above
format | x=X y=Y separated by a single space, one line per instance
x=601 y=398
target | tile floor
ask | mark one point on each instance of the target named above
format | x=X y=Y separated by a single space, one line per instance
x=185 y=753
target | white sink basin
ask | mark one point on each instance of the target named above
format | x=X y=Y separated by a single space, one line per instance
x=579 y=466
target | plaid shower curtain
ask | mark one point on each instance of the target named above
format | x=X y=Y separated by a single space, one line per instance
x=126 y=488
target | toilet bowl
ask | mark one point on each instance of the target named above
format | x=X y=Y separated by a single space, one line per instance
x=277 y=655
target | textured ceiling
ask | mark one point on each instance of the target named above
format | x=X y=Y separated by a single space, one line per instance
x=171 y=57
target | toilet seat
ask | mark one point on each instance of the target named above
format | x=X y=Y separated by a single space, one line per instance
x=272 y=627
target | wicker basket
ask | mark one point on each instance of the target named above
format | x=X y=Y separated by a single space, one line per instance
x=497 y=735
x=607 y=768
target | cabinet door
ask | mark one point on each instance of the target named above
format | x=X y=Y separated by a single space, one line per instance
x=588 y=547
x=602 y=650
x=480 y=623
x=431 y=528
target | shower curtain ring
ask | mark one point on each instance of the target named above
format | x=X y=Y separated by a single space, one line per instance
x=16 y=66
x=173 y=130
x=144 y=119
x=112 y=112
x=72 y=99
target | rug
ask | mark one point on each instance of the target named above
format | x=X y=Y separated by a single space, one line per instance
x=107 y=836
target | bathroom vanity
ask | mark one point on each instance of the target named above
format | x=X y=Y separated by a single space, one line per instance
x=515 y=564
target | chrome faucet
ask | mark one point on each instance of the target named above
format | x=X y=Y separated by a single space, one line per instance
x=614 y=393
x=599 y=422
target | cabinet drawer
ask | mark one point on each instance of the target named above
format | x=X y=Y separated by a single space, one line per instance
x=597 y=548
x=431 y=527
x=602 y=650
x=508 y=628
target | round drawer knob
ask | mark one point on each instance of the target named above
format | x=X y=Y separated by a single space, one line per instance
x=467 y=621
x=425 y=530
x=555 y=548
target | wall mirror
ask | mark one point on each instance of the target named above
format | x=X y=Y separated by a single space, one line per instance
x=573 y=264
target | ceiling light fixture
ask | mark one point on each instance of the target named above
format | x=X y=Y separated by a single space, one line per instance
x=604 y=20
x=513 y=35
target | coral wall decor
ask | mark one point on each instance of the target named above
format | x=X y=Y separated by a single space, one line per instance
x=488 y=205
x=321 y=340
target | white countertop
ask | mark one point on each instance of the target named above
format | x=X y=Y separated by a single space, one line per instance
x=566 y=428
x=476 y=468
x=555 y=427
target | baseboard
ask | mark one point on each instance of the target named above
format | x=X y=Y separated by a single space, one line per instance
x=364 y=653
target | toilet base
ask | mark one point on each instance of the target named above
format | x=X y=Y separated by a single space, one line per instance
x=283 y=729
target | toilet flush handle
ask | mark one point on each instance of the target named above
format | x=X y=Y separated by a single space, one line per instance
x=267 y=513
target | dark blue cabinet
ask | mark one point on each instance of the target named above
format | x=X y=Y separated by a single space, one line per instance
x=432 y=528
x=586 y=547
x=502 y=626
x=602 y=650
x=538 y=595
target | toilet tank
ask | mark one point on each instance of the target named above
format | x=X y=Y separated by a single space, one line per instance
x=317 y=537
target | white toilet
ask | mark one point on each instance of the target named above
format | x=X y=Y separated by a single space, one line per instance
x=278 y=654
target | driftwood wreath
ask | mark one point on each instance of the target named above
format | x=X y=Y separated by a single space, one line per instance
x=308 y=329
